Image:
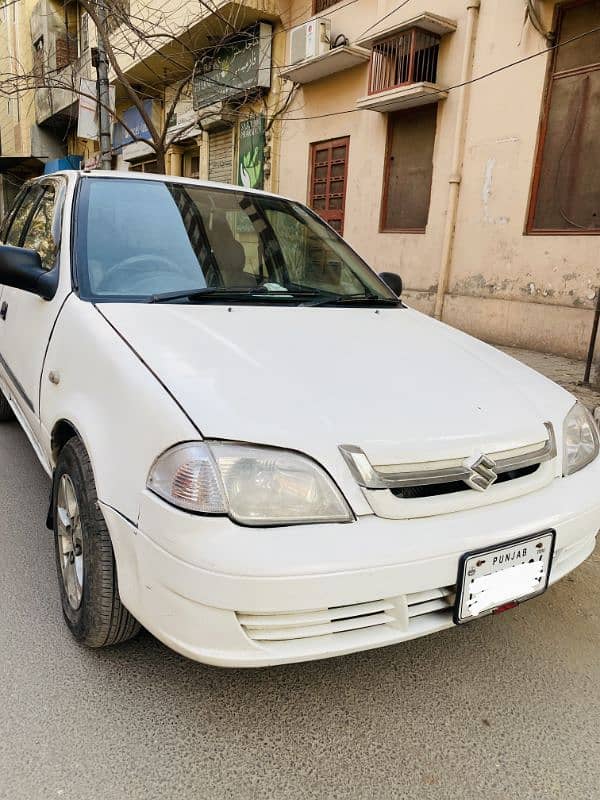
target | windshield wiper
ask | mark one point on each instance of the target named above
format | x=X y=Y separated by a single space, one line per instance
x=232 y=295
x=367 y=297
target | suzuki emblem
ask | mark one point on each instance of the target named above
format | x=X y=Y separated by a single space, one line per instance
x=482 y=472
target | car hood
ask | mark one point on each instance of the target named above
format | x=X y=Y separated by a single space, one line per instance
x=398 y=384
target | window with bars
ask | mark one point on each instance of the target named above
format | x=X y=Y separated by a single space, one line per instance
x=409 y=57
x=566 y=184
x=321 y=5
x=328 y=172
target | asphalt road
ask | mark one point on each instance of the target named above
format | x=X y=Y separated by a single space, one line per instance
x=508 y=707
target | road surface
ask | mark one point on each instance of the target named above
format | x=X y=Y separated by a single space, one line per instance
x=504 y=708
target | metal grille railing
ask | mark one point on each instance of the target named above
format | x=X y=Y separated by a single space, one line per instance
x=321 y=5
x=410 y=57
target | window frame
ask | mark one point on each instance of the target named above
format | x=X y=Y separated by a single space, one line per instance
x=386 y=177
x=550 y=78
x=10 y=214
x=29 y=188
x=337 y=141
x=45 y=186
x=325 y=8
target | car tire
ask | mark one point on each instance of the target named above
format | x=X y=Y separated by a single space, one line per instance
x=85 y=561
x=6 y=412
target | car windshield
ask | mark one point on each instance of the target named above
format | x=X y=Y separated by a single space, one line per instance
x=160 y=241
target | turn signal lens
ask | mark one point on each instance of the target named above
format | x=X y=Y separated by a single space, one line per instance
x=187 y=476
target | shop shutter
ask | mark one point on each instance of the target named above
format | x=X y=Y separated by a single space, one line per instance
x=220 y=156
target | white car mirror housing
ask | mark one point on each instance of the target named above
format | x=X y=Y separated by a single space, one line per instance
x=253 y=485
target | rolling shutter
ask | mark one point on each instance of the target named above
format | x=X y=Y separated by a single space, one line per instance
x=220 y=156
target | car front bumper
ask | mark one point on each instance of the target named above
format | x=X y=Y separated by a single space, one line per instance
x=241 y=597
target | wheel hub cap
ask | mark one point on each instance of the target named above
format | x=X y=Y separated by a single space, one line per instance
x=70 y=541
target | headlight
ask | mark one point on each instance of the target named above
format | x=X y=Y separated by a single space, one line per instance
x=253 y=485
x=580 y=439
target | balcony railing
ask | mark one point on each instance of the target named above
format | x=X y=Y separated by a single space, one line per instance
x=321 y=5
x=409 y=57
x=67 y=50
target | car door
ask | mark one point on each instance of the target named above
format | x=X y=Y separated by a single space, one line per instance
x=26 y=320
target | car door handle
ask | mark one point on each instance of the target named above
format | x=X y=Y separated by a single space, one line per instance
x=3 y=310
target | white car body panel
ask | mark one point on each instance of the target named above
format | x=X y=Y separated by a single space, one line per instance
x=135 y=379
x=120 y=410
x=260 y=375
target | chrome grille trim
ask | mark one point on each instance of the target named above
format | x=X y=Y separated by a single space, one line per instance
x=369 y=477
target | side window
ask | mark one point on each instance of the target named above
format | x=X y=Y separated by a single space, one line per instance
x=39 y=235
x=21 y=217
x=12 y=209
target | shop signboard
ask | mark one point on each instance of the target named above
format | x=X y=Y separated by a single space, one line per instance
x=251 y=152
x=238 y=67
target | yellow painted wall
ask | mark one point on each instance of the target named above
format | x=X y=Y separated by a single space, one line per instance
x=531 y=291
x=17 y=113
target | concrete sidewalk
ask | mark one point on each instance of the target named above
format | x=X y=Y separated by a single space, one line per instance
x=566 y=371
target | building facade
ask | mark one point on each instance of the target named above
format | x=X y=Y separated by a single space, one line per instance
x=476 y=181
x=454 y=142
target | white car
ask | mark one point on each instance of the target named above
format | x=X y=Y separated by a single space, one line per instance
x=257 y=451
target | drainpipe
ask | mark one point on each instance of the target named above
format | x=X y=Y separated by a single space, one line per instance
x=457 y=156
x=103 y=92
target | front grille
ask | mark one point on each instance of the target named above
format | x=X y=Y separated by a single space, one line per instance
x=436 y=489
x=300 y=625
x=430 y=602
x=396 y=612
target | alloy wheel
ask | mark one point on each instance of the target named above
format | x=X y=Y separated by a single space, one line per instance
x=70 y=541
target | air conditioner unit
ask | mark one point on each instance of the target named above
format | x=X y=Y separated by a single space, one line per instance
x=309 y=40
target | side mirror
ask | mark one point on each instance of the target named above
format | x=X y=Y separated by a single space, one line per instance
x=393 y=281
x=22 y=269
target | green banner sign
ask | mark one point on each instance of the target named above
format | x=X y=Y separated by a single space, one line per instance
x=238 y=67
x=251 y=152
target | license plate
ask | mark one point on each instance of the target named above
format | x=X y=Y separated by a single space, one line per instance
x=498 y=576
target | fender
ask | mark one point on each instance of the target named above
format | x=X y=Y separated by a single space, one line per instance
x=106 y=393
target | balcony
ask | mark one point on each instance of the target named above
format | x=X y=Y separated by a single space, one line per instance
x=335 y=60
x=403 y=68
x=60 y=59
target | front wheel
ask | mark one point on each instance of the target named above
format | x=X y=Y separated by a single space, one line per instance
x=87 y=574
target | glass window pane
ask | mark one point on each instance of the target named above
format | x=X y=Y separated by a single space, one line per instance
x=584 y=51
x=141 y=238
x=18 y=224
x=569 y=185
x=39 y=235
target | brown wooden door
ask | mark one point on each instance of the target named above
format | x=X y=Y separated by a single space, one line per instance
x=328 y=172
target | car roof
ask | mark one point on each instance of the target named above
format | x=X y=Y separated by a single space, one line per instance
x=75 y=174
